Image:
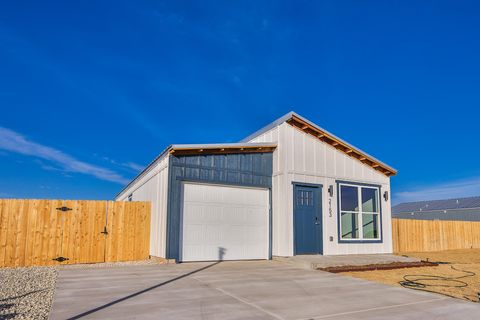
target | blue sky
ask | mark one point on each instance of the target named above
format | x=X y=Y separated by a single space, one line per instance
x=92 y=91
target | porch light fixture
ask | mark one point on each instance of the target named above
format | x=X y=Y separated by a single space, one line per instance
x=330 y=190
x=385 y=195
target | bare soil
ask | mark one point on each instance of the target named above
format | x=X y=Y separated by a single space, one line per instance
x=457 y=275
x=383 y=266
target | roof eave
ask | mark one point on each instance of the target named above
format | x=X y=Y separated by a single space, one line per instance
x=329 y=138
x=191 y=149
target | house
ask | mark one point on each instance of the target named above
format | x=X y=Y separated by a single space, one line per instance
x=459 y=209
x=290 y=188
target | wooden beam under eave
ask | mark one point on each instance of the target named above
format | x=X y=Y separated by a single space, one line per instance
x=305 y=127
x=356 y=155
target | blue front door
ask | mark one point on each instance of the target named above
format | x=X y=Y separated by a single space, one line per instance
x=308 y=219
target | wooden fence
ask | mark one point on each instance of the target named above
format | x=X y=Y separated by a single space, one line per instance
x=410 y=235
x=52 y=232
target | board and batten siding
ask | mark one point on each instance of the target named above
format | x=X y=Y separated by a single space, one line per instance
x=300 y=157
x=153 y=187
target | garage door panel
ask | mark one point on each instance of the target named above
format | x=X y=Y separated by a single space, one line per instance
x=231 y=219
x=194 y=233
x=214 y=234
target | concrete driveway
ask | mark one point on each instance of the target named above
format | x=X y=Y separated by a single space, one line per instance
x=240 y=290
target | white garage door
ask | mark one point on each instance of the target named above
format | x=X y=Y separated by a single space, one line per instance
x=224 y=223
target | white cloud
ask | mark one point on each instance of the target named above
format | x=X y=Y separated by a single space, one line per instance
x=132 y=166
x=14 y=142
x=448 y=190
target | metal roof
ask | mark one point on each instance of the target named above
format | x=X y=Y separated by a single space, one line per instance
x=208 y=146
x=205 y=148
x=472 y=214
x=437 y=205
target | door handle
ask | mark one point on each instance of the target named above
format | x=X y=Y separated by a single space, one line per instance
x=316 y=221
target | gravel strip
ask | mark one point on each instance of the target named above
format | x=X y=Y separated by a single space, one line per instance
x=112 y=264
x=26 y=293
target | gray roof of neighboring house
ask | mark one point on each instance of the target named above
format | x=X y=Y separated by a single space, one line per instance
x=457 y=203
x=452 y=215
x=462 y=209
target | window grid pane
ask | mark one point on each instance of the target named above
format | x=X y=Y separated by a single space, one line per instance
x=370 y=226
x=304 y=198
x=349 y=225
x=369 y=198
x=349 y=198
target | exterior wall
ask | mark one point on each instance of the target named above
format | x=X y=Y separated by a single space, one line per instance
x=248 y=169
x=300 y=157
x=153 y=187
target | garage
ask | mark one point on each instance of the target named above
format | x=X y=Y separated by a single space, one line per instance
x=224 y=223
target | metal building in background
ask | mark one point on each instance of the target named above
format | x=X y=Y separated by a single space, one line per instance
x=459 y=209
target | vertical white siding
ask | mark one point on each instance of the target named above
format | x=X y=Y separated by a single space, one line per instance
x=153 y=187
x=300 y=157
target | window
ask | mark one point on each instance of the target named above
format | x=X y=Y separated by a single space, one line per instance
x=359 y=212
x=304 y=198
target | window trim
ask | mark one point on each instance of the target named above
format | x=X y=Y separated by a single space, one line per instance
x=339 y=212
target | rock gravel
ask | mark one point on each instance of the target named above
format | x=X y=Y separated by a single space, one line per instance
x=26 y=293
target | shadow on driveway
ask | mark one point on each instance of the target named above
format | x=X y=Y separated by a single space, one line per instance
x=221 y=254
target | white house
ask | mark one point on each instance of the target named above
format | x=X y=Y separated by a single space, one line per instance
x=290 y=188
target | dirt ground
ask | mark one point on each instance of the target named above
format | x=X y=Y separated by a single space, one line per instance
x=463 y=283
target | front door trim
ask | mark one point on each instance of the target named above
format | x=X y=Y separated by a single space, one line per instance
x=319 y=213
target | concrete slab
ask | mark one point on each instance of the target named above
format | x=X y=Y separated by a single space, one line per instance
x=319 y=262
x=240 y=290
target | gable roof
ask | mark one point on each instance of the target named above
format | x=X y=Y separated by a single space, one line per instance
x=291 y=118
x=437 y=205
x=311 y=128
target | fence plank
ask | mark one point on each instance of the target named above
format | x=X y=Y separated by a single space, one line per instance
x=410 y=235
x=3 y=230
x=21 y=235
x=34 y=232
x=11 y=231
x=110 y=245
x=54 y=232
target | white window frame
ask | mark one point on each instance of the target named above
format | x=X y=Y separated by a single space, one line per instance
x=359 y=213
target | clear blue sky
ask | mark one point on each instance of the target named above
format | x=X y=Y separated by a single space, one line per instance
x=90 y=92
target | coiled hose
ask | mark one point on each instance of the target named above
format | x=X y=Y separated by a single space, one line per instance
x=414 y=281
